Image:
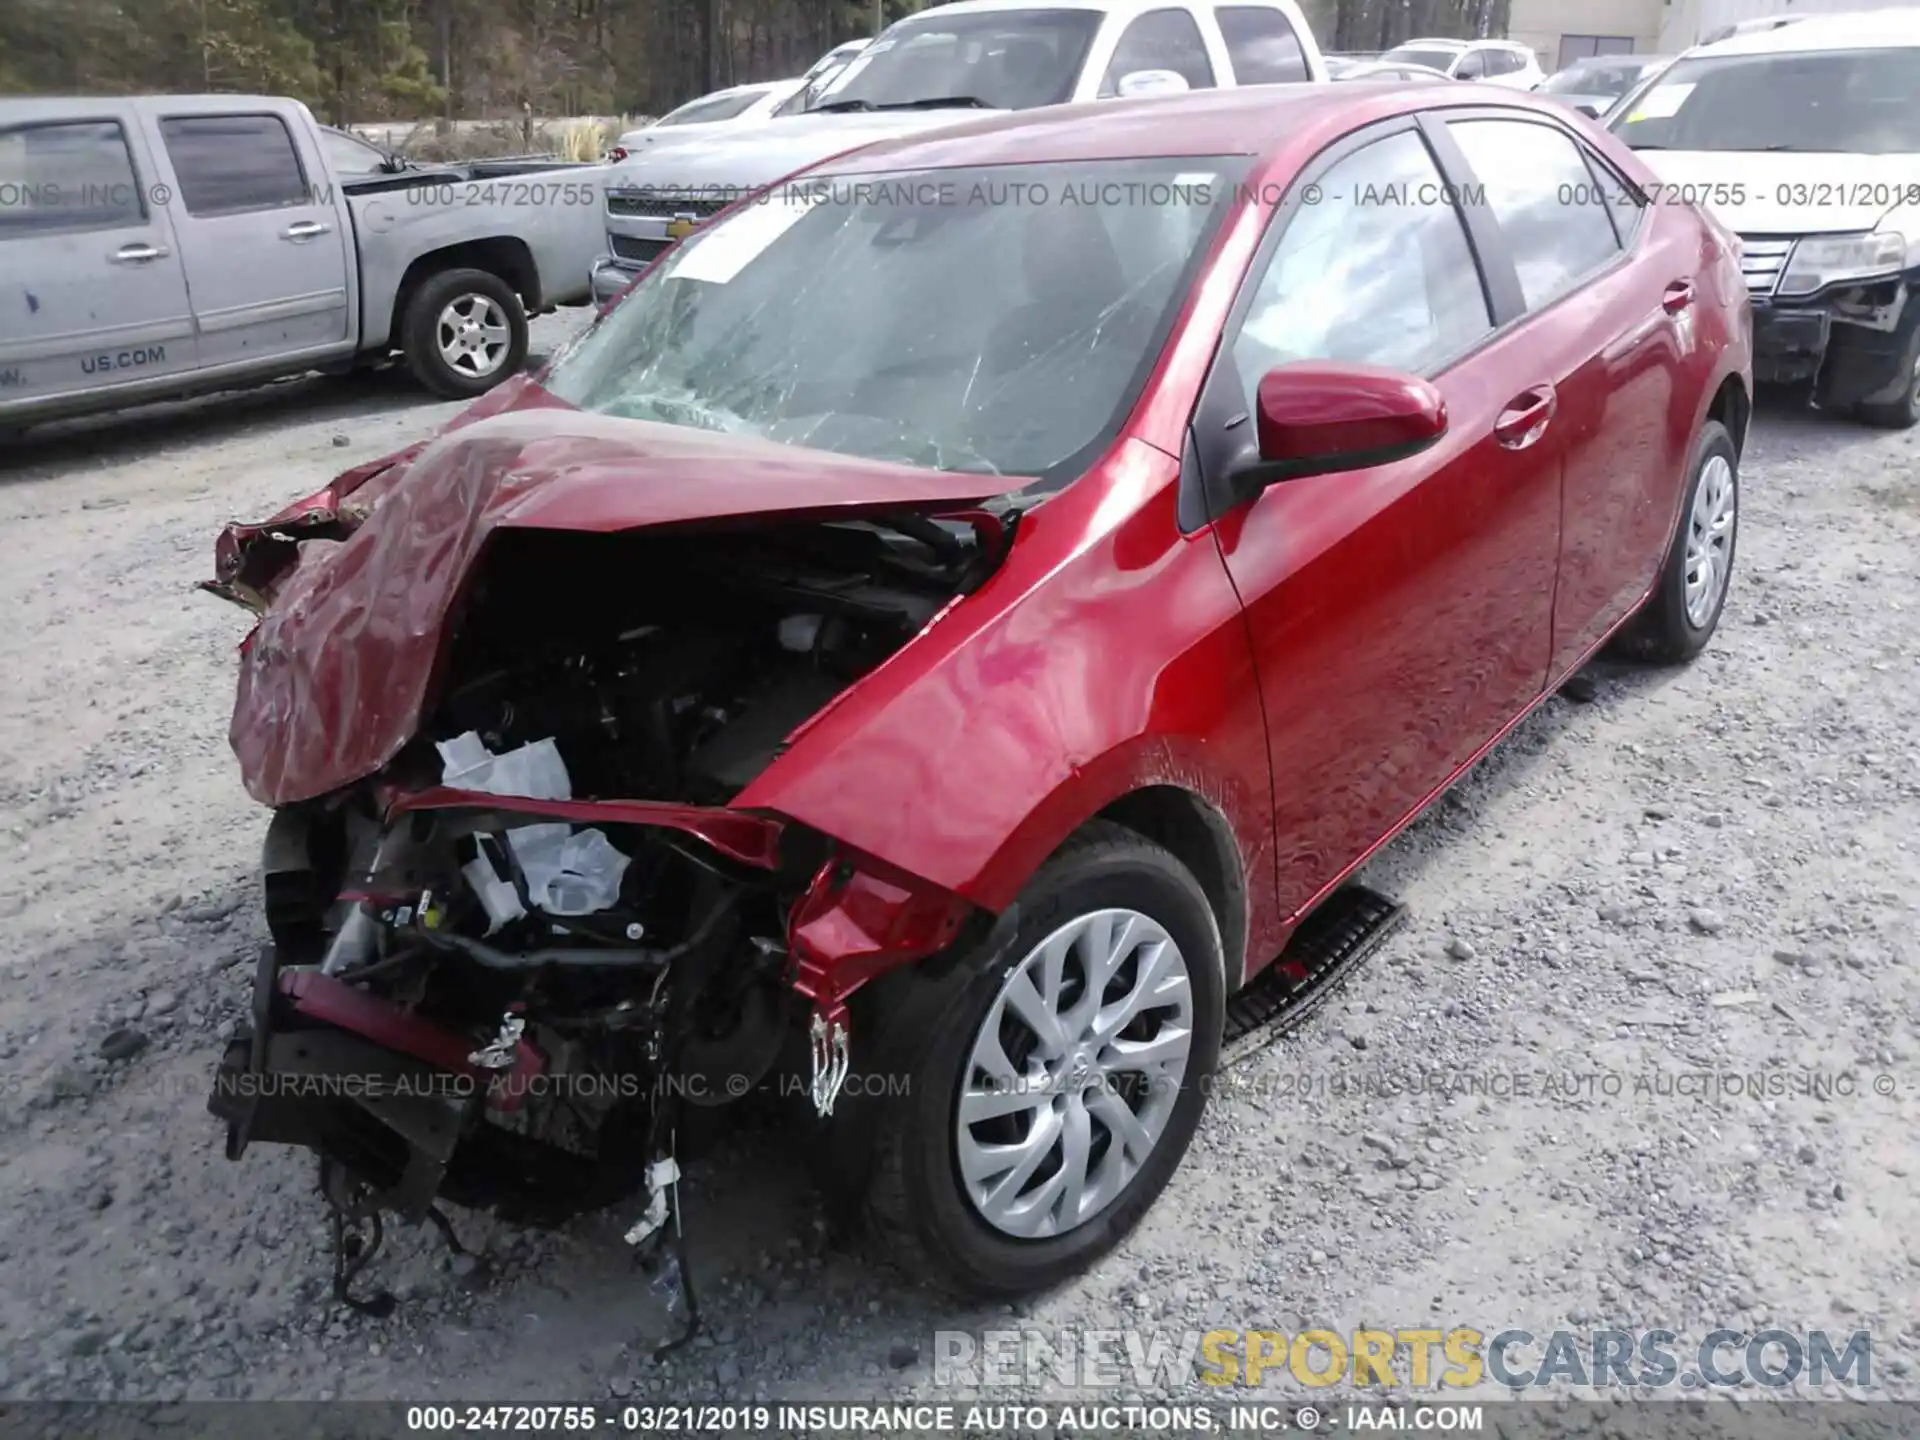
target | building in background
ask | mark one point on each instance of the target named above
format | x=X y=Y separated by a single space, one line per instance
x=1689 y=22
x=1562 y=31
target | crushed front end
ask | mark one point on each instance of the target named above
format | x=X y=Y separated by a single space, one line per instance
x=504 y=957
x=429 y=1044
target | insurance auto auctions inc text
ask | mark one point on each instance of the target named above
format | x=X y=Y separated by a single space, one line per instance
x=1419 y=1359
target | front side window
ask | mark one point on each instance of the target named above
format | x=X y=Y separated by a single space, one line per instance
x=1261 y=44
x=230 y=164
x=349 y=154
x=1472 y=66
x=996 y=320
x=1160 y=40
x=1004 y=59
x=1546 y=200
x=67 y=177
x=708 y=109
x=1847 y=102
x=1379 y=271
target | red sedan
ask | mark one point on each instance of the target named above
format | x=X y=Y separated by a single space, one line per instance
x=947 y=636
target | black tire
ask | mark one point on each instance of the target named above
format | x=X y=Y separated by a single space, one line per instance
x=912 y=1198
x=1661 y=633
x=419 y=340
x=1902 y=413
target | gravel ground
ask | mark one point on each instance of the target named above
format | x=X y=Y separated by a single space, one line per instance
x=1710 y=871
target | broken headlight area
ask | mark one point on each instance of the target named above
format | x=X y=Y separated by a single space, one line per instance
x=490 y=986
x=1850 y=342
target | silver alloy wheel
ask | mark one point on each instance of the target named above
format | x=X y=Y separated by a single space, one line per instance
x=473 y=335
x=1710 y=539
x=1074 y=1073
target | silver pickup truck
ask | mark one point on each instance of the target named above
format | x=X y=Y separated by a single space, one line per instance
x=155 y=246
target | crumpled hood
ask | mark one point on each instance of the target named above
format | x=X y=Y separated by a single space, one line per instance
x=745 y=157
x=337 y=675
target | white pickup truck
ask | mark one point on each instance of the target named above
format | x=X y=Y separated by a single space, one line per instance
x=156 y=246
x=945 y=65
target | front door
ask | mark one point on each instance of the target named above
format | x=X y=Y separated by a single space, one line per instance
x=94 y=294
x=1613 y=337
x=267 y=263
x=1400 y=616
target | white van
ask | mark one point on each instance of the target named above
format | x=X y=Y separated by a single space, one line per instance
x=1805 y=140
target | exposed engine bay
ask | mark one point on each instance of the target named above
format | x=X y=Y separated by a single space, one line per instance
x=500 y=966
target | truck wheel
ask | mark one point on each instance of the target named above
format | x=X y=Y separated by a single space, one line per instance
x=1051 y=1079
x=464 y=332
x=1903 y=412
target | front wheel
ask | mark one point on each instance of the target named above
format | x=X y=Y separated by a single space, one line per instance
x=1903 y=411
x=464 y=332
x=1683 y=611
x=1053 y=1079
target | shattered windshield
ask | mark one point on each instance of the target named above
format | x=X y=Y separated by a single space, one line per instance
x=1004 y=59
x=996 y=320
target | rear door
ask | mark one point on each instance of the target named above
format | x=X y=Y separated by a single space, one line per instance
x=1167 y=38
x=1401 y=615
x=267 y=260
x=92 y=292
x=1610 y=315
x=1262 y=45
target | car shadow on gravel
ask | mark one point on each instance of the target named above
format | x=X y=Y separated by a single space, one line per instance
x=1601 y=688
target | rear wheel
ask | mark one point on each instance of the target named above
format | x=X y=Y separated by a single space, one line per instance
x=464 y=333
x=1053 y=1079
x=1684 y=610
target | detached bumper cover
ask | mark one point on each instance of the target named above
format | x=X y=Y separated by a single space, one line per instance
x=1788 y=345
x=333 y=1069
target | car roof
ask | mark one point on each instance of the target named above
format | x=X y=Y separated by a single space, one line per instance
x=1366 y=66
x=1591 y=62
x=1247 y=120
x=1438 y=42
x=1105 y=7
x=1854 y=30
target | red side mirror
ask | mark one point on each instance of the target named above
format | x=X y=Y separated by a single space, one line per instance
x=1316 y=417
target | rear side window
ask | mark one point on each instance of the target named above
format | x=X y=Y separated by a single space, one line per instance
x=1626 y=207
x=1261 y=44
x=702 y=112
x=68 y=177
x=228 y=164
x=1553 y=215
x=1378 y=270
x=1161 y=40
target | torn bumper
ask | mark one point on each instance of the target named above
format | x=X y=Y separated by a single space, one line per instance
x=333 y=1069
x=1853 y=343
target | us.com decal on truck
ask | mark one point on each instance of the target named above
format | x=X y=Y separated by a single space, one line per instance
x=125 y=360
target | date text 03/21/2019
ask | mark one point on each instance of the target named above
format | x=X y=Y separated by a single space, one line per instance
x=944 y=1418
